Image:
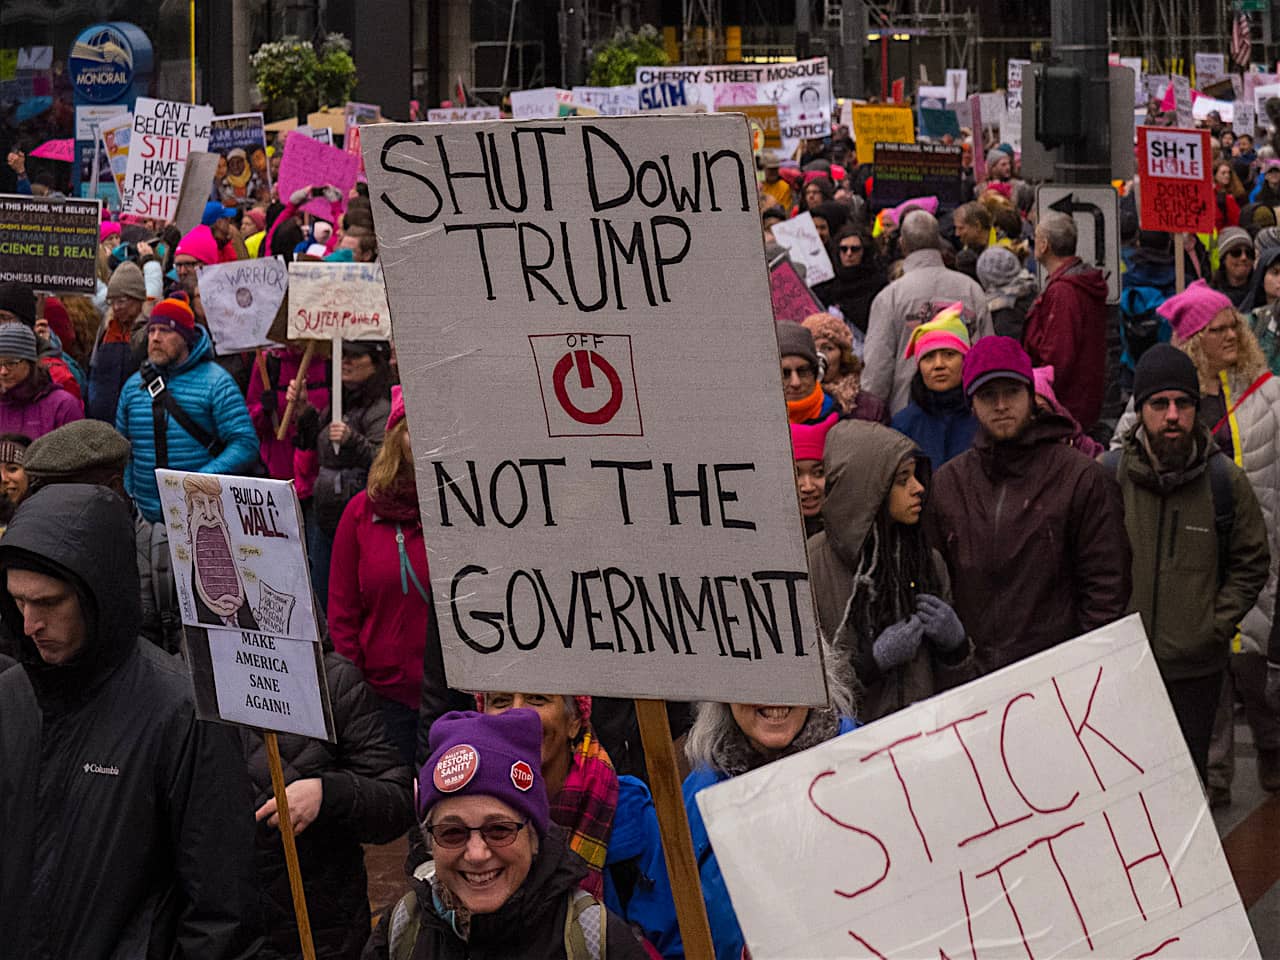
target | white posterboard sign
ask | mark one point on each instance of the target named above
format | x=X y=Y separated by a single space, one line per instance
x=454 y=114
x=1244 y=119
x=559 y=438
x=801 y=91
x=957 y=84
x=164 y=132
x=328 y=300
x=244 y=592
x=241 y=300
x=540 y=104
x=609 y=101
x=1210 y=68
x=800 y=238
x=1013 y=90
x=1047 y=810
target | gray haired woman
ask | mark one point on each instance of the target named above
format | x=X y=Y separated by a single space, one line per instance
x=728 y=739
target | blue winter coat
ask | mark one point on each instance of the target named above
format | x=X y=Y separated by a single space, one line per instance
x=725 y=932
x=635 y=858
x=941 y=424
x=210 y=397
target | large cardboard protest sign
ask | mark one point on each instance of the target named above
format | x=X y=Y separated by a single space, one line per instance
x=244 y=176
x=310 y=163
x=1048 y=810
x=801 y=91
x=240 y=565
x=800 y=237
x=875 y=124
x=197 y=181
x=1175 y=192
x=241 y=300
x=906 y=171
x=50 y=244
x=331 y=300
x=555 y=328
x=164 y=132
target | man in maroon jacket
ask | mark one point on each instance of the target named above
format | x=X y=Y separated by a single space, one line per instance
x=1067 y=325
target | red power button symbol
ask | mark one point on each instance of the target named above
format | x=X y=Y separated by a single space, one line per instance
x=584 y=359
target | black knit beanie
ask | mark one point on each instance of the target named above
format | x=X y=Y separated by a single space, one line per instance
x=1164 y=367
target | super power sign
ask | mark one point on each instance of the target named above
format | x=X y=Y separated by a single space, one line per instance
x=1174 y=186
x=603 y=518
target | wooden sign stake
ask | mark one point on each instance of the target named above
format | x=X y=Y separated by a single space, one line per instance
x=673 y=824
x=1179 y=262
x=307 y=353
x=290 y=850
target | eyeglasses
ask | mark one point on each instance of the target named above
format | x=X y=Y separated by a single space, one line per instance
x=1220 y=331
x=1181 y=404
x=851 y=249
x=185 y=264
x=495 y=833
x=9 y=363
x=1242 y=252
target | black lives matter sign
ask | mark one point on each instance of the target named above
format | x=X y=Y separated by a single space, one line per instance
x=51 y=244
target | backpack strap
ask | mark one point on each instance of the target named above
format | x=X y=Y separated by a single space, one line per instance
x=585 y=927
x=1224 y=511
x=403 y=929
x=163 y=402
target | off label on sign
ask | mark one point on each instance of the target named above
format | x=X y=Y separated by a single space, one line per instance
x=588 y=384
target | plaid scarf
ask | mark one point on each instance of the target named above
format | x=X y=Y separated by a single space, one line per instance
x=585 y=806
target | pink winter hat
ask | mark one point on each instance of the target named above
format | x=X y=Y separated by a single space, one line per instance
x=946 y=331
x=1043 y=377
x=808 y=441
x=199 y=245
x=397 y=408
x=996 y=358
x=1193 y=309
x=108 y=228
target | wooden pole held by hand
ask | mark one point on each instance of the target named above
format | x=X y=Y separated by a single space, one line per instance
x=307 y=354
x=290 y=849
x=1179 y=262
x=673 y=824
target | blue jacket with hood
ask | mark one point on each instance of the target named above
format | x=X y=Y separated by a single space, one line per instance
x=210 y=397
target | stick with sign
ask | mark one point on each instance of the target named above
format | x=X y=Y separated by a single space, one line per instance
x=290 y=847
x=1174 y=187
x=336 y=302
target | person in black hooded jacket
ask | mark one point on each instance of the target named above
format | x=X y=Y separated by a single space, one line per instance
x=859 y=277
x=340 y=795
x=1260 y=306
x=142 y=817
x=20 y=725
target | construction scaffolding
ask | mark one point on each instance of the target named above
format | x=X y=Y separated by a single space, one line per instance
x=1167 y=34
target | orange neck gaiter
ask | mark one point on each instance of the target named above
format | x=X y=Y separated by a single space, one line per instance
x=800 y=411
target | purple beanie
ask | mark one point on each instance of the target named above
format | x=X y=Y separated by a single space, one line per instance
x=500 y=756
x=994 y=358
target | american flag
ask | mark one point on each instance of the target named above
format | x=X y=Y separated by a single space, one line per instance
x=1241 y=43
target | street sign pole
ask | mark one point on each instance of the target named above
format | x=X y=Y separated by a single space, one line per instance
x=1079 y=30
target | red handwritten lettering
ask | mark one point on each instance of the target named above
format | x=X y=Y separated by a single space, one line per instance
x=903 y=783
x=1004 y=757
x=1131 y=864
x=884 y=851
x=866 y=946
x=996 y=825
x=1085 y=724
x=998 y=870
x=1048 y=842
x=1152 y=953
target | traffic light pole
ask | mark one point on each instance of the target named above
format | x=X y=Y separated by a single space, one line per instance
x=1080 y=41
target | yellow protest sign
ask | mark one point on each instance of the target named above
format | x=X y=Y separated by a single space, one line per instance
x=874 y=124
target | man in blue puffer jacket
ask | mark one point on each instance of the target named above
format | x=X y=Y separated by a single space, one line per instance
x=182 y=355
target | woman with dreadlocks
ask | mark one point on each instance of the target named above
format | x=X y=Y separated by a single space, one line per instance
x=883 y=594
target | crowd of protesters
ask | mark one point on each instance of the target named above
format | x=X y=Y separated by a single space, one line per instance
x=985 y=457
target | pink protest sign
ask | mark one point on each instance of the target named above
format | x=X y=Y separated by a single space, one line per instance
x=792 y=300
x=308 y=163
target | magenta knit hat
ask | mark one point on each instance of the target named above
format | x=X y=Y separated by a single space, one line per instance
x=809 y=441
x=498 y=756
x=994 y=358
x=397 y=407
x=199 y=245
x=1193 y=309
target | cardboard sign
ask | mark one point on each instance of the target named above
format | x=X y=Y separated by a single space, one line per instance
x=957 y=84
x=800 y=237
x=1244 y=120
x=328 y=300
x=241 y=300
x=164 y=132
x=1013 y=84
x=454 y=114
x=358 y=114
x=1175 y=191
x=934 y=117
x=1210 y=68
x=542 y=103
x=240 y=563
x=607 y=101
x=792 y=298
x=872 y=125
x=50 y=244
x=762 y=117
x=905 y=171
x=1180 y=87
x=801 y=91
x=308 y=162
x=560 y=415
x=197 y=181
x=115 y=134
x=1048 y=810
x=244 y=175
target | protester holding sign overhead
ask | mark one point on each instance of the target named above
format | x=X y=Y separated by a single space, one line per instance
x=143 y=812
